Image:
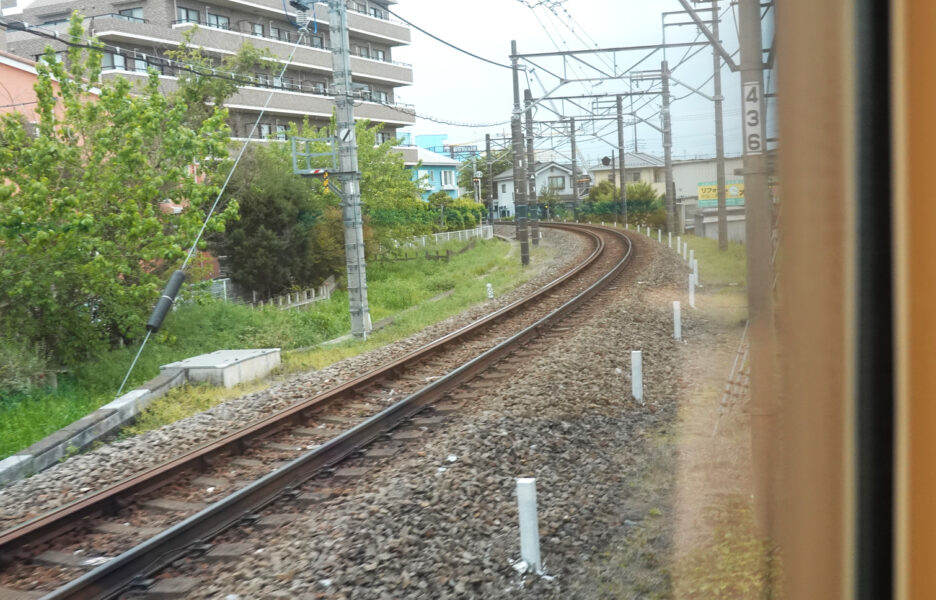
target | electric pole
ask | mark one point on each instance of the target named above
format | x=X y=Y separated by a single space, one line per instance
x=574 y=166
x=719 y=136
x=668 y=151
x=531 y=169
x=758 y=229
x=348 y=174
x=519 y=171
x=491 y=184
x=620 y=124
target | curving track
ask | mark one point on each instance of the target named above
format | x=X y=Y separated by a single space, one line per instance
x=277 y=455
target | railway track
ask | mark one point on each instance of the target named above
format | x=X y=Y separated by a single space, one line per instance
x=92 y=548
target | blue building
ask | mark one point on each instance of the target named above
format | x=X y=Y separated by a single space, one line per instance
x=436 y=172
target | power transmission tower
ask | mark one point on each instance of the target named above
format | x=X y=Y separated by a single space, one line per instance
x=575 y=196
x=348 y=173
x=719 y=136
x=621 y=160
x=668 y=151
x=519 y=169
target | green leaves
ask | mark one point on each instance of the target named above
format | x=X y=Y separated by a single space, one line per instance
x=83 y=240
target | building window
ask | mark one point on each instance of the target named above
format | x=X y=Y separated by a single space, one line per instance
x=446 y=178
x=376 y=12
x=503 y=188
x=281 y=132
x=380 y=55
x=611 y=178
x=381 y=97
x=317 y=41
x=360 y=7
x=557 y=183
x=635 y=176
x=257 y=29
x=278 y=34
x=265 y=130
x=113 y=61
x=362 y=51
x=131 y=14
x=188 y=15
x=383 y=138
x=219 y=21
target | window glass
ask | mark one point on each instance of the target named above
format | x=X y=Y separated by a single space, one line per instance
x=258 y=29
x=281 y=132
x=265 y=130
x=317 y=42
x=219 y=21
x=131 y=14
x=504 y=188
x=376 y=12
x=113 y=61
x=379 y=55
x=557 y=183
x=188 y=15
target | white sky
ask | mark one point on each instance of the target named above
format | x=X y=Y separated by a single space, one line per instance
x=452 y=86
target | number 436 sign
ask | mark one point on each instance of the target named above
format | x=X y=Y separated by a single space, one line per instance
x=753 y=119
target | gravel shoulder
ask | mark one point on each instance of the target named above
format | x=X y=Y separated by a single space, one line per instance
x=114 y=461
x=441 y=521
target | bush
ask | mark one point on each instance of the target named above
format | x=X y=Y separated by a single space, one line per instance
x=21 y=367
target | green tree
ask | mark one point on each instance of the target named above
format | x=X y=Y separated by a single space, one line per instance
x=501 y=161
x=84 y=245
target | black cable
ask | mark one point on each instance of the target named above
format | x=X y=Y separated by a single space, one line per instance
x=450 y=45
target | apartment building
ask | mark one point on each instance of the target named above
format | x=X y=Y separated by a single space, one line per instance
x=141 y=31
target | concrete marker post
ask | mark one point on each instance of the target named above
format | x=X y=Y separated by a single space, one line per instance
x=669 y=240
x=637 y=375
x=691 y=290
x=678 y=244
x=659 y=236
x=691 y=257
x=529 y=524
x=685 y=251
x=490 y=291
x=695 y=269
x=677 y=321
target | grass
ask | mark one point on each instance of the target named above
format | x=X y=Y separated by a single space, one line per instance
x=394 y=289
x=719 y=267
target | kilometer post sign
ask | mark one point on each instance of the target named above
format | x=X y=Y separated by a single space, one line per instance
x=734 y=193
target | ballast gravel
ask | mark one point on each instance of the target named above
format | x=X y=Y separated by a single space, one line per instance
x=113 y=462
x=441 y=522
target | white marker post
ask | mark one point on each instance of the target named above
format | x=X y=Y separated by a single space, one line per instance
x=659 y=236
x=669 y=240
x=529 y=524
x=678 y=244
x=685 y=251
x=490 y=291
x=691 y=290
x=637 y=376
x=695 y=269
x=691 y=257
x=677 y=321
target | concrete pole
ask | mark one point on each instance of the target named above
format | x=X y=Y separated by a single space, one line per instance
x=719 y=136
x=637 y=376
x=349 y=175
x=533 y=210
x=621 y=161
x=575 y=197
x=758 y=227
x=669 y=240
x=490 y=174
x=519 y=163
x=529 y=524
x=668 y=151
x=677 y=321
x=691 y=290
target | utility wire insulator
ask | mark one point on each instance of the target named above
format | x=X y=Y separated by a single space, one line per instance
x=165 y=301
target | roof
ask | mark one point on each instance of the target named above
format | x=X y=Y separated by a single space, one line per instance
x=634 y=160
x=539 y=168
x=437 y=160
x=17 y=62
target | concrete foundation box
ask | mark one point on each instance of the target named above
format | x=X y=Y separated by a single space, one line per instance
x=229 y=367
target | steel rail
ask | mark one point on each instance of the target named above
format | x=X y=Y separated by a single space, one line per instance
x=116 y=575
x=111 y=499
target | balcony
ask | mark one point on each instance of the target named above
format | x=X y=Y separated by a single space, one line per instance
x=290 y=98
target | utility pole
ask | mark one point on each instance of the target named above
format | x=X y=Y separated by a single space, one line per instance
x=719 y=136
x=349 y=175
x=531 y=168
x=491 y=184
x=574 y=166
x=668 y=151
x=620 y=124
x=758 y=228
x=519 y=171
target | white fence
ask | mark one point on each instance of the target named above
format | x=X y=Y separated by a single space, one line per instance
x=484 y=232
x=302 y=297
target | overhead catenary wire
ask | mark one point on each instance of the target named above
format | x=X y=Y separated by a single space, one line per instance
x=449 y=44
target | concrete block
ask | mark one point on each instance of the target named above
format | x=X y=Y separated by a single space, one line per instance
x=15 y=467
x=127 y=405
x=228 y=367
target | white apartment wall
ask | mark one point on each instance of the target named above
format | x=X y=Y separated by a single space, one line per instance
x=688 y=176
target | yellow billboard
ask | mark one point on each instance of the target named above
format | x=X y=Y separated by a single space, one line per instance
x=708 y=190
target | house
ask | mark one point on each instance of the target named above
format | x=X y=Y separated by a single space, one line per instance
x=138 y=33
x=638 y=167
x=436 y=173
x=550 y=176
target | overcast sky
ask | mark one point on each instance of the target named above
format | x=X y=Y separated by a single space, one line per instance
x=453 y=87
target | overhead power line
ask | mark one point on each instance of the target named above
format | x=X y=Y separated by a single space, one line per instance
x=449 y=44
